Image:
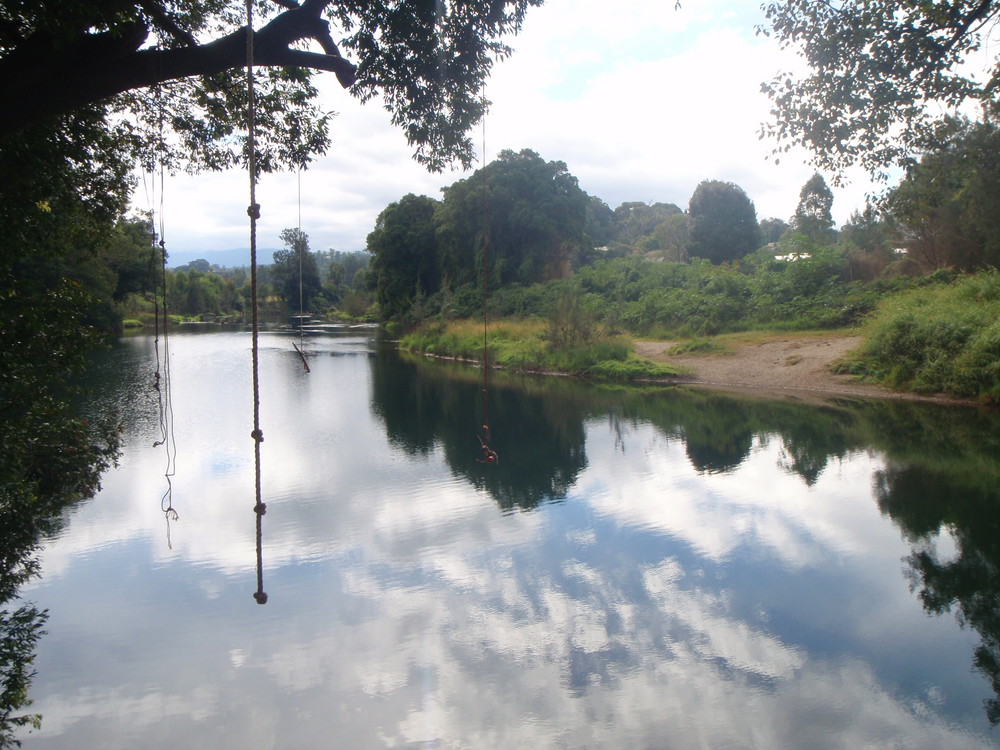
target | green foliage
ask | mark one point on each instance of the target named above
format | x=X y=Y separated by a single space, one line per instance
x=405 y=260
x=427 y=62
x=772 y=229
x=647 y=228
x=879 y=72
x=20 y=629
x=294 y=273
x=868 y=242
x=533 y=231
x=196 y=293
x=938 y=338
x=601 y=222
x=527 y=346
x=945 y=210
x=50 y=457
x=699 y=345
x=813 y=216
x=723 y=222
x=570 y=325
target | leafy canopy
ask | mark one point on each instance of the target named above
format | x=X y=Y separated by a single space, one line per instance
x=174 y=70
x=880 y=72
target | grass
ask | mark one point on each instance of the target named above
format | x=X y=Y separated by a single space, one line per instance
x=699 y=345
x=523 y=345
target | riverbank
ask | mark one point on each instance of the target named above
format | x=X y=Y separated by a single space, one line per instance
x=785 y=364
x=795 y=365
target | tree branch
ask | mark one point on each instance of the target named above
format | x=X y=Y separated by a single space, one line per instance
x=55 y=80
x=166 y=23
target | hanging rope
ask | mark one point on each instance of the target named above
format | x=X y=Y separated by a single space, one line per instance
x=166 y=400
x=488 y=455
x=254 y=213
x=300 y=245
x=161 y=377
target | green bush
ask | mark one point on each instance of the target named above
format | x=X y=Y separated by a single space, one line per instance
x=938 y=339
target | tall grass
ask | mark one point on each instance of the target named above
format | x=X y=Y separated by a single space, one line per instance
x=527 y=346
x=938 y=339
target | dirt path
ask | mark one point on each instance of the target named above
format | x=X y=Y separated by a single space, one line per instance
x=791 y=364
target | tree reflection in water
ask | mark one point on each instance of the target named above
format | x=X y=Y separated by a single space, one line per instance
x=442 y=406
x=925 y=503
x=942 y=473
x=943 y=470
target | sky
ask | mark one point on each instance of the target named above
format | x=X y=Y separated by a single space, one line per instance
x=641 y=104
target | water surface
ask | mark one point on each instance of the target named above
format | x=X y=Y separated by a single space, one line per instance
x=642 y=569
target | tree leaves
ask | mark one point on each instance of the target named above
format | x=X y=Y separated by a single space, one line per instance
x=881 y=70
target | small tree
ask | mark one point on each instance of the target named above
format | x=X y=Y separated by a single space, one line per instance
x=866 y=240
x=294 y=273
x=772 y=229
x=813 y=216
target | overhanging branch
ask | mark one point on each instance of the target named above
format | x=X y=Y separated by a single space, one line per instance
x=57 y=80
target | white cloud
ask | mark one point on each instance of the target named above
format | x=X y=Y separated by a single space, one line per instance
x=410 y=608
x=642 y=105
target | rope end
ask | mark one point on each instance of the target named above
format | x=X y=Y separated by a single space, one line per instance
x=261 y=597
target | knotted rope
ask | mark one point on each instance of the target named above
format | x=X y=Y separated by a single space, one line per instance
x=254 y=213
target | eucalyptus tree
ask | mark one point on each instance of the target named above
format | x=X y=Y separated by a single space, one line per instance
x=294 y=272
x=813 y=215
x=772 y=228
x=637 y=220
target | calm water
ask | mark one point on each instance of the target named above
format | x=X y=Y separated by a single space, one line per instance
x=656 y=569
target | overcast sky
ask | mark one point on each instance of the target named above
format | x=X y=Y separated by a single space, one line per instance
x=641 y=101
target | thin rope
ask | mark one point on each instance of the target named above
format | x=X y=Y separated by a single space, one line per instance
x=489 y=455
x=298 y=238
x=162 y=377
x=254 y=213
x=300 y=246
x=486 y=288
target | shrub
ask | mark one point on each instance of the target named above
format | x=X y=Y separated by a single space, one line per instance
x=943 y=338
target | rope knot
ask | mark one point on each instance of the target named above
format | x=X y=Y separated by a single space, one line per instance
x=260 y=509
x=253 y=211
x=261 y=597
x=257 y=435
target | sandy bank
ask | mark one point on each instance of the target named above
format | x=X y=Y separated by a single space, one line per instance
x=789 y=365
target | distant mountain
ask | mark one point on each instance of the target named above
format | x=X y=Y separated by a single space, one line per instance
x=234 y=258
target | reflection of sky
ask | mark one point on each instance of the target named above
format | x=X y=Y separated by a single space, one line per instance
x=656 y=607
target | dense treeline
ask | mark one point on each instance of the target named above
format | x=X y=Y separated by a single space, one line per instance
x=332 y=283
x=661 y=271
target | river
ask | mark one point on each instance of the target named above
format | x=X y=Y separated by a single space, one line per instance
x=655 y=568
